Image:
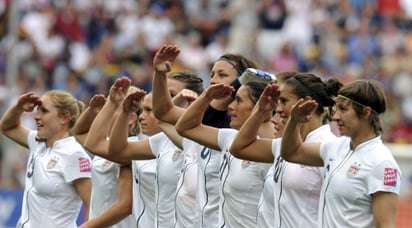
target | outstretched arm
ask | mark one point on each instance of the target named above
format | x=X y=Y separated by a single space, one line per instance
x=163 y=108
x=96 y=141
x=82 y=126
x=119 y=146
x=10 y=123
x=293 y=149
x=246 y=145
x=190 y=124
x=120 y=208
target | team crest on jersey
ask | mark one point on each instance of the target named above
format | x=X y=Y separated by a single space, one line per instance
x=52 y=162
x=84 y=165
x=246 y=164
x=353 y=170
x=390 y=177
x=176 y=155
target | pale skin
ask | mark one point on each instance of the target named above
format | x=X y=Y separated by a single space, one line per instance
x=274 y=97
x=119 y=147
x=190 y=123
x=384 y=204
x=51 y=126
x=164 y=109
x=96 y=142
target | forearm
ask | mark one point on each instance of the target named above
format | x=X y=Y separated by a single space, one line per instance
x=248 y=132
x=118 y=136
x=11 y=119
x=84 y=122
x=112 y=215
x=163 y=102
x=99 y=128
x=193 y=115
x=221 y=104
x=291 y=139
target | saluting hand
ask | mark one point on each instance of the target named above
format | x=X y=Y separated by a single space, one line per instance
x=119 y=89
x=164 y=58
x=133 y=101
x=28 y=101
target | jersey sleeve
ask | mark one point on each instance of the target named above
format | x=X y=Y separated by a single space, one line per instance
x=225 y=138
x=156 y=141
x=276 y=143
x=385 y=177
x=31 y=139
x=78 y=166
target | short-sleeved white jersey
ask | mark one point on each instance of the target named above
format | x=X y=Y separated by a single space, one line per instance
x=208 y=194
x=297 y=187
x=351 y=177
x=144 y=182
x=266 y=205
x=186 y=214
x=105 y=175
x=50 y=198
x=169 y=160
x=242 y=184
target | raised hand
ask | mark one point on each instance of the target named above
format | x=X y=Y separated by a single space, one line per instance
x=118 y=90
x=96 y=102
x=268 y=99
x=133 y=102
x=218 y=91
x=28 y=101
x=302 y=111
x=184 y=97
x=164 y=58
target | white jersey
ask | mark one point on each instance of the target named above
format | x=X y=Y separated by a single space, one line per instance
x=50 y=198
x=297 y=187
x=242 y=184
x=105 y=175
x=208 y=194
x=266 y=205
x=169 y=160
x=186 y=214
x=351 y=178
x=144 y=181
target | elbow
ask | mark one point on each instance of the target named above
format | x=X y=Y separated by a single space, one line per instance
x=234 y=150
x=126 y=207
x=180 y=129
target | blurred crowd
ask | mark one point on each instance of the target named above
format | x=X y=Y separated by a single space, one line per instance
x=82 y=45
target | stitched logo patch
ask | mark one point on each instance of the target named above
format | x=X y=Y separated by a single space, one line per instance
x=390 y=177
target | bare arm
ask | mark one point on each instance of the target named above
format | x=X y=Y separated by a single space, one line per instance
x=96 y=141
x=10 y=123
x=120 y=208
x=384 y=206
x=171 y=133
x=246 y=145
x=190 y=124
x=82 y=126
x=293 y=149
x=119 y=147
x=164 y=108
x=83 y=187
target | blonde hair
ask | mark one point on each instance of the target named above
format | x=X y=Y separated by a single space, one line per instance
x=65 y=103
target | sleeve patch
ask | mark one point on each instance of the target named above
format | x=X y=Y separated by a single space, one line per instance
x=84 y=165
x=390 y=177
